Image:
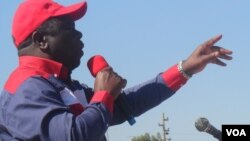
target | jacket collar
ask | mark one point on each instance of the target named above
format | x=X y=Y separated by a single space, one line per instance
x=44 y=65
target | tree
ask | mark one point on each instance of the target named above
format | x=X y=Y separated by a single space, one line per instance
x=147 y=137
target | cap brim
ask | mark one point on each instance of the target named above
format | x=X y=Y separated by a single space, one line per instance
x=75 y=11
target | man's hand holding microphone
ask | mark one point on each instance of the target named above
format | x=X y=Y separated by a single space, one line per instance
x=110 y=81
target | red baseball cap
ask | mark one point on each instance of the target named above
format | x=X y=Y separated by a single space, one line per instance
x=32 y=13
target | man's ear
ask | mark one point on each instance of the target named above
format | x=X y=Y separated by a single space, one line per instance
x=39 y=39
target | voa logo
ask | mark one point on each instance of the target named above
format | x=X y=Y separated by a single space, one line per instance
x=236 y=132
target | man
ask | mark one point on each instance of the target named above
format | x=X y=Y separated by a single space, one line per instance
x=40 y=101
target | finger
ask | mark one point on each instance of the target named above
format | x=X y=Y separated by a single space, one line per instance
x=221 y=50
x=212 y=41
x=116 y=75
x=107 y=69
x=222 y=53
x=120 y=79
x=226 y=57
x=121 y=83
x=218 y=62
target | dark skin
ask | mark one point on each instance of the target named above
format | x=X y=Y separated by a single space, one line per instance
x=65 y=46
x=62 y=45
x=204 y=54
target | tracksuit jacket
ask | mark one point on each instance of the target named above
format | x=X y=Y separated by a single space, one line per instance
x=37 y=105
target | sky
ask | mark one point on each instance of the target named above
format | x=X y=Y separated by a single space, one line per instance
x=141 y=38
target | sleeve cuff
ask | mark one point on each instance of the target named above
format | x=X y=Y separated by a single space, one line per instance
x=105 y=98
x=173 y=78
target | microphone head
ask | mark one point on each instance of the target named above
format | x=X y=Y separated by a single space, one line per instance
x=202 y=124
x=96 y=63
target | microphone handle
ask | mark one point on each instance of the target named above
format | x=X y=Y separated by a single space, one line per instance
x=123 y=105
x=214 y=131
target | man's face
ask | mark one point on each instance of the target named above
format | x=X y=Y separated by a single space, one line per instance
x=65 y=44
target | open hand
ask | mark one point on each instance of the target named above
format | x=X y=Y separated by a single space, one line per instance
x=204 y=54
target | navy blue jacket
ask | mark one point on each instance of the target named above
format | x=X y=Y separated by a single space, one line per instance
x=37 y=104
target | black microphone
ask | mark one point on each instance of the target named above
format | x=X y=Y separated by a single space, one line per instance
x=203 y=125
x=96 y=64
